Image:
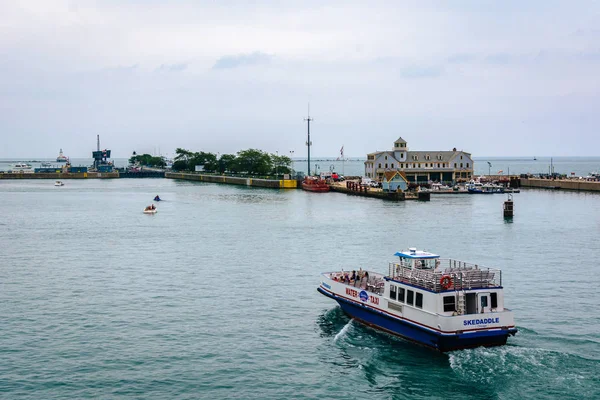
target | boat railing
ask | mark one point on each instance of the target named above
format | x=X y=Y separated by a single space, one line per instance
x=374 y=283
x=463 y=276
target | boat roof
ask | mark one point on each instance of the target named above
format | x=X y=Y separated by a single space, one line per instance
x=414 y=253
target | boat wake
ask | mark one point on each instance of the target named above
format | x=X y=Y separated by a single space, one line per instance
x=526 y=371
x=342 y=332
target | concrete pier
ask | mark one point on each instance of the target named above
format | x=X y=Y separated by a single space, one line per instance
x=60 y=175
x=566 y=184
x=234 y=180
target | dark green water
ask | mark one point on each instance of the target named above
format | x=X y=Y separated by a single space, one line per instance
x=215 y=296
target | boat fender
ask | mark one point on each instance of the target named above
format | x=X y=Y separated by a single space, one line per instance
x=446 y=281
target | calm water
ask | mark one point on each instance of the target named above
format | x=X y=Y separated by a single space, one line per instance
x=215 y=296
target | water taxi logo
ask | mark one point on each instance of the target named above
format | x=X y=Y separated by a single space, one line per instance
x=363 y=295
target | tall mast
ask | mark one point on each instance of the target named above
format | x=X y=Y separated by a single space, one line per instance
x=308 y=142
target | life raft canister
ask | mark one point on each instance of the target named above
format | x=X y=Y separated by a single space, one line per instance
x=446 y=281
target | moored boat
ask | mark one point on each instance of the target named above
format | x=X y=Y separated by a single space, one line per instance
x=314 y=184
x=443 y=304
x=21 y=167
x=488 y=188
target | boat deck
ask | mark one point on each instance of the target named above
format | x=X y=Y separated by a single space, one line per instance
x=374 y=283
x=463 y=275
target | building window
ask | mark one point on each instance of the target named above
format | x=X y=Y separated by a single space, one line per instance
x=449 y=304
x=401 y=155
x=454 y=165
x=410 y=296
x=427 y=157
x=385 y=158
x=461 y=157
x=494 y=300
x=386 y=164
x=419 y=300
x=402 y=166
x=461 y=165
x=397 y=145
x=467 y=165
x=392 y=292
x=392 y=165
x=401 y=295
x=379 y=165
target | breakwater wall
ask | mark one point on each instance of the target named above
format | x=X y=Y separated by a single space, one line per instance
x=234 y=180
x=60 y=175
x=566 y=184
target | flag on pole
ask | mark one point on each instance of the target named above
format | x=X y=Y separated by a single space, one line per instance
x=499 y=172
x=342 y=151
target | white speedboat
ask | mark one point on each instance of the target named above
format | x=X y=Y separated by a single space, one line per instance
x=59 y=183
x=443 y=304
x=21 y=167
x=150 y=209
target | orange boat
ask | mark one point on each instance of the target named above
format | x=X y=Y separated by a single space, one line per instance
x=313 y=184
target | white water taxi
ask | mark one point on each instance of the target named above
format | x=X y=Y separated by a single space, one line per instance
x=440 y=303
x=59 y=183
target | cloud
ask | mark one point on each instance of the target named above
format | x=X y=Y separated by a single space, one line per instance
x=461 y=58
x=172 y=67
x=241 y=60
x=422 y=72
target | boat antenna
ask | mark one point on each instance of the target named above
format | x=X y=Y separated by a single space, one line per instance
x=308 y=142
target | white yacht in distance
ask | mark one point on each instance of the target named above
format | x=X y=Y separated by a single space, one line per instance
x=61 y=157
x=21 y=167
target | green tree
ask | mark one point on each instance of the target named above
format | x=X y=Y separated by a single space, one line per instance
x=281 y=164
x=208 y=160
x=148 y=160
x=226 y=163
x=183 y=154
x=253 y=162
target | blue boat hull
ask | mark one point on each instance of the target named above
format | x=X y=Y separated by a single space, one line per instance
x=418 y=334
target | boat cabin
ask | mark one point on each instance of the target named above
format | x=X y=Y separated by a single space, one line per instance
x=447 y=287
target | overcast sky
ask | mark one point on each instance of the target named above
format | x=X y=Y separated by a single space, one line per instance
x=495 y=78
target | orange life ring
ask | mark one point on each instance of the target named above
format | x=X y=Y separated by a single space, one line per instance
x=446 y=281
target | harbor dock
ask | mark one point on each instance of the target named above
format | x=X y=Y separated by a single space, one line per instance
x=565 y=184
x=234 y=180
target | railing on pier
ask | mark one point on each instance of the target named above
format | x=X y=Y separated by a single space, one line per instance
x=463 y=276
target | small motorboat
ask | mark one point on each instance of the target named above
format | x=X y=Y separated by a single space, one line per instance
x=59 y=183
x=151 y=209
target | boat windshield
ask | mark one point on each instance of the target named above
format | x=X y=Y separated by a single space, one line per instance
x=416 y=259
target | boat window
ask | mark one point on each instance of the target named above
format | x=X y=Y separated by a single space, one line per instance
x=401 y=295
x=392 y=292
x=484 y=302
x=419 y=300
x=449 y=303
x=494 y=299
x=410 y=296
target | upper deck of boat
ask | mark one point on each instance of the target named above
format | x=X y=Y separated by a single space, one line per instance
x=427 y=271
